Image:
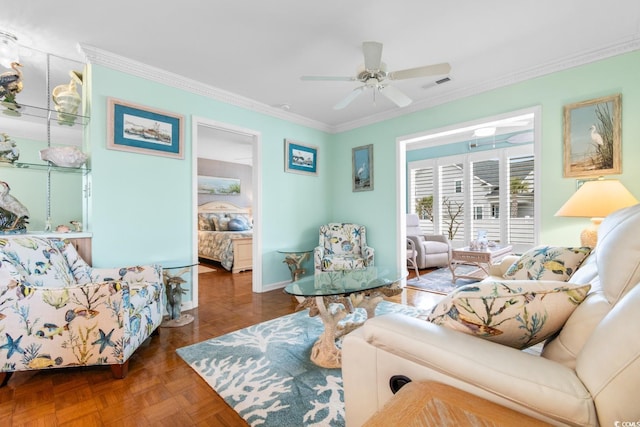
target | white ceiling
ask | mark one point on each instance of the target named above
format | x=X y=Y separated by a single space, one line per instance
x=259 y=49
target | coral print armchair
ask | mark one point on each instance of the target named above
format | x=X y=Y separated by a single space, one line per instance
x=342 y=246
x=57 y=311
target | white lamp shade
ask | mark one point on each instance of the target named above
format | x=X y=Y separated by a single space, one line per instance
x=597 y=199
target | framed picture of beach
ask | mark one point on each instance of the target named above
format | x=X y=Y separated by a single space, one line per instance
x=216 y=186
x=145 y=130
x=300 y=158
x=362 y=168
x=592 y=137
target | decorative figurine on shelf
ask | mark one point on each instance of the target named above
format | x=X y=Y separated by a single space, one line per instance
x=9 y=152
x=77 y=226
x=13 y=214
x=63 y=229
x=67 y=100
x=67 y=156
x=173 y=284
x=10 y=86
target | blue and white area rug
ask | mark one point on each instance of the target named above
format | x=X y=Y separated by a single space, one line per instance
x=439 y=280
x=264 y=373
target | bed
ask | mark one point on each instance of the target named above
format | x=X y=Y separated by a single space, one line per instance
x=225 y=235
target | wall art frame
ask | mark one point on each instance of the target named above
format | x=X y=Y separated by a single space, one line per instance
x=300 y=158
x=592 y=132
x=144 y=130
x=218 y=186
x=362 y=168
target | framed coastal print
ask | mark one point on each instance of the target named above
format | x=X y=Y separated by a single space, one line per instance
x=145 y=130
x=300 y=158
x=592 y=137
x=216 y=186
x=362 y=166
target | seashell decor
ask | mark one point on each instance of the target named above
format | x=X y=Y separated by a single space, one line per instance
x=67 y=156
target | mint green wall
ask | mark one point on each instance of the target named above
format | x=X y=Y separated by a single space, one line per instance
x=141 y=205
x=377 y=209
x=29 y=186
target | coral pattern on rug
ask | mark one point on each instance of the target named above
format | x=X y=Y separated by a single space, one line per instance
x=264 y=372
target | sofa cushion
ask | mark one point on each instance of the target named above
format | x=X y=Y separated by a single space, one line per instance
x=39 y=261
x=547 y=263
x=518 y=313
x=79 y=267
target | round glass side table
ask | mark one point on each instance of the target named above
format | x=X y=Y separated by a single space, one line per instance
x=294 y=257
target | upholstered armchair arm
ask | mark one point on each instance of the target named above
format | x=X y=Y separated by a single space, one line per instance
x=134 y=274
x=79 y=325
x=368 y=254
x=438 y=238
x=423 y=351
x=318 y=254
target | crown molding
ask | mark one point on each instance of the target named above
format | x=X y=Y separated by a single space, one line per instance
x=104 y=58
x=582 y=58
x=101 y=57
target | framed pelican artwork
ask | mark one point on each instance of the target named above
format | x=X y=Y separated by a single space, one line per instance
x=145 y=130
x=362 y=176
x=592 y=137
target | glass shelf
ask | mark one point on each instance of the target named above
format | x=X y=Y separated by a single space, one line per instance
x=46 y=167
x=39 y=113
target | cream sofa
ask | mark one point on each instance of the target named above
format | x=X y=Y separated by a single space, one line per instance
x=587 y=375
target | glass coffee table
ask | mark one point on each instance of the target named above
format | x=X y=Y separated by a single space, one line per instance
x=349 y=289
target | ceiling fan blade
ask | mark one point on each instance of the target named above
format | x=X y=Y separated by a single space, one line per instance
x=346 y=101
x=394 y=94
x=372 y=55
x=328 y=78
x=427 y=70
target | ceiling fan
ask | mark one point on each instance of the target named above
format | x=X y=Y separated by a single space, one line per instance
x=374 y=75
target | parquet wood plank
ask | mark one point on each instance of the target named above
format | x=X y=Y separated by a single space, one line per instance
x=160 y=388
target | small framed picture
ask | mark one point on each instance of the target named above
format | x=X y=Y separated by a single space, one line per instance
x=362 y=176
x=300 y=158
x=144 y=130
x=592 y=137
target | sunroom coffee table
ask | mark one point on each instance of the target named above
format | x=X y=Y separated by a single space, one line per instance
x=350 y=289
x=481 y=258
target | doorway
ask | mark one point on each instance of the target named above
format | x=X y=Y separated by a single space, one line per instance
x=223 y=142
x=526 y=121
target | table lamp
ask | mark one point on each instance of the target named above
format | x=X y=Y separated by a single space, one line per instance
x=596 y=199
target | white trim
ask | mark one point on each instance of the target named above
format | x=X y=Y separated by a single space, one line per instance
x=98 y=56
x=256 y=206
x=101 y=57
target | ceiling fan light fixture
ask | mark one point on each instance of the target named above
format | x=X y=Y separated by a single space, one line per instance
x=8 y=49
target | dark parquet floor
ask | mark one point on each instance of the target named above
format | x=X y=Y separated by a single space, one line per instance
x=160 y=389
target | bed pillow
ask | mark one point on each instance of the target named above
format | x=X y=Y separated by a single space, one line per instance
x=205 y=223
x=221 y=223
x=548 y=263
x=519 y=313
x=237 y=224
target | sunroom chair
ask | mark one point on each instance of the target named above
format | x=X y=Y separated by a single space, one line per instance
x=433 y=250
x=412 y=255
x=56 y=311
x=342 y=246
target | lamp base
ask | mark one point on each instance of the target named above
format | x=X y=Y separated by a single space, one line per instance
x=589 y=236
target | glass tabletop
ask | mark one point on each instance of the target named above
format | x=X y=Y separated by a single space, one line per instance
x=345 y=282
x=295 y=250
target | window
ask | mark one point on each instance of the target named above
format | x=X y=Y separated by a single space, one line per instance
x=499 y=182
x=477 y=212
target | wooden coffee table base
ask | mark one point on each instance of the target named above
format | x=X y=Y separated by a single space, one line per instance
x=325 y=353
